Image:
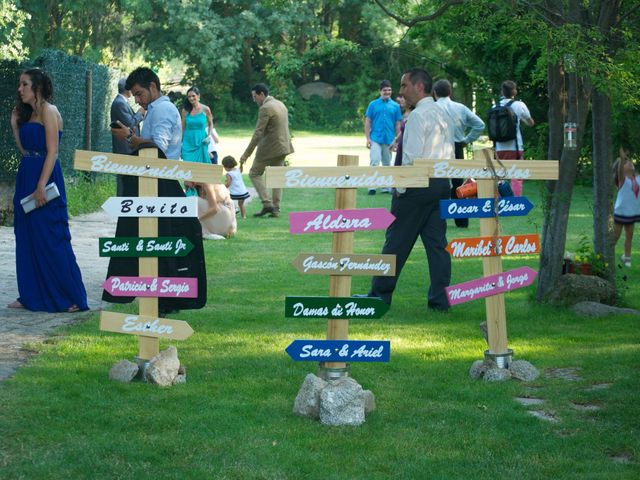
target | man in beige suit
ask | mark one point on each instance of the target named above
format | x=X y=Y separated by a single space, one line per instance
x=273 y=140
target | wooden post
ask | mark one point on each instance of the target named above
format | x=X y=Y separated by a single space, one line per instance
x=148 y=266
x=340 y=285
x=495 y=305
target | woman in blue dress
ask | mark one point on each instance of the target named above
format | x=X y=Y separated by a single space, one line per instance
x=197 y=122
x=48 y=275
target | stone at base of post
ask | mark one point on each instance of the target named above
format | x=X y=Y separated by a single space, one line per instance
x=331 y=373
x=142 y=369
x=503 y=360
x=489 y=370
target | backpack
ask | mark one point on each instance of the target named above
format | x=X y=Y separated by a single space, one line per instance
x=503 y=123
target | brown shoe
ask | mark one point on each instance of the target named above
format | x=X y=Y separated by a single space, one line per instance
x=264 y=211
x=275 y=213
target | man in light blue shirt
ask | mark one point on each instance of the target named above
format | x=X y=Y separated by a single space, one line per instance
x=382 y=122
x=162 y=124
x=467 y=127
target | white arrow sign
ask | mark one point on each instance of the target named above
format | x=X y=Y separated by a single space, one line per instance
x=151 y=206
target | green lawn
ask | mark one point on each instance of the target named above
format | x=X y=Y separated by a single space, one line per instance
x=61 y=417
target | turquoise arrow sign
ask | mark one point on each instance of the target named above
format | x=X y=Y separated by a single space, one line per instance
x=334 y=307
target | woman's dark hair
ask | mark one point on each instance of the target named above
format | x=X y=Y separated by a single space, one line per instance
x=42 y=88
x=187 y=104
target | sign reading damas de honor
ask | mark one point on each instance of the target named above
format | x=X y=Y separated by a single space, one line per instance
x=146 y=167
x=345 y=264
x=151 y=206
x=334 y=307
x=339 y=350
x=144 y=246
x=340 y=220
x=144 y=325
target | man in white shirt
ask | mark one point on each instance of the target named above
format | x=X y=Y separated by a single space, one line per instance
x=514 y=149
x=417 y=210
x=467 y=127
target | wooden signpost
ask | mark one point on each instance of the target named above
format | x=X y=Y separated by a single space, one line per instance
x=148 y=286
x=341 y=264
x=486 y=171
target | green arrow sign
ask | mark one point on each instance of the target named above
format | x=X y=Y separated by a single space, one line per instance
x=144 y=246
x=334 y=307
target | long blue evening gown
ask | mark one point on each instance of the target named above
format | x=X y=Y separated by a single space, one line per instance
x=49 y=278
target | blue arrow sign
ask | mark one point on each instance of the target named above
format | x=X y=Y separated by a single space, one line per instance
x=339 y=350
x=484 y=207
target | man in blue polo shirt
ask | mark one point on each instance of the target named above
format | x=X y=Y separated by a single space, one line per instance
x=382 y=122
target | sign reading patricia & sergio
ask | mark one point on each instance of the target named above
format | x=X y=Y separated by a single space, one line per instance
x=334 y=307
x=144 y=246
x=186 y=287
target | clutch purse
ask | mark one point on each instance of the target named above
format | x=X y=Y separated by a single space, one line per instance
x=50 y=192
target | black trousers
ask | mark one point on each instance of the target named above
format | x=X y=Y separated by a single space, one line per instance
x=417 y=214
x=456 y=182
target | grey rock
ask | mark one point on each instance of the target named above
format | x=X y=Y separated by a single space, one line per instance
x=485 y=331
x=595 y=309
x=523 y=371
x=123 y=371
x=163 y=368
x=496 y=375
x=307 y=402
x=342 y=402
x=526 y=401
x=572 y=289
x=479 y=368
x=181 y=377
x=369 y=401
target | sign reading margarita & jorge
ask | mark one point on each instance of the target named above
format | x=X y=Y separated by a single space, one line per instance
x=144 y=246
x=484 y=207
x=491 y=285
x=144 y=325
x=345 y=264
x=334 y=307
x=152 y=286
x=340 y=220
x=483 y=246
x=339 y=350
x=151 y=206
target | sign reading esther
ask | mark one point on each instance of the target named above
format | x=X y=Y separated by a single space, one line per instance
x=339 y=350
x=146 y=167
x=491 y=285
x=346 y=177
x=144 y=325
x=484 y=247
x=340 y=220
x=144 y=246
x=152 y=286
x=345 y=264
x=484 y=207
x=334 y=307
x=151 y=206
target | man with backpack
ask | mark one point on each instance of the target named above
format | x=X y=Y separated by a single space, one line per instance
x=504 y=127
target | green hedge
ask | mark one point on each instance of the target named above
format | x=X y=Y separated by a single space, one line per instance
x=69 y=84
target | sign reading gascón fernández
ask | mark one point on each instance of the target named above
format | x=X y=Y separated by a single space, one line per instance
x=151 y=206
x=339 y=350
x=186 y=287
x=340 y=220
x=144 y=246
x=144 y=325
x=345 y=264
x=491 y=285
x=484 y=207
x=484 y=246
x=334 y=307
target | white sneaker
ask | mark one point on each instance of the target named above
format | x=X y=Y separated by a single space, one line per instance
x=626 y=261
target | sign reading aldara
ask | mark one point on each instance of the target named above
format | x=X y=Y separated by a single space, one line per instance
x=144 y=246
x=334 y=307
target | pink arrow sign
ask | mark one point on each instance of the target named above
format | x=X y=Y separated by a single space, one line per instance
x=491 y=285
x=340 y=220
x=186 y=287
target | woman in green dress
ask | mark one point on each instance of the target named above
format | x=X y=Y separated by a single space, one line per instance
x=197 y=121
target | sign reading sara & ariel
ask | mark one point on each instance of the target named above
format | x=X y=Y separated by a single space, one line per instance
x=339 y=350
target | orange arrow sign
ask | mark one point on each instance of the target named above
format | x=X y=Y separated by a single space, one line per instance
x=144 y=325
x=484 y=247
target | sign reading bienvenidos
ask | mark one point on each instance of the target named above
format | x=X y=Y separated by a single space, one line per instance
x=529 y=170
x=345 y=264
x=144 y=325
x=146 y=167
x=346 y=177
x=334 y=307
x=144 y=246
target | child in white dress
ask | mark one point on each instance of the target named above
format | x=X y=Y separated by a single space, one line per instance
x=626 y=210
x=235 y=184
